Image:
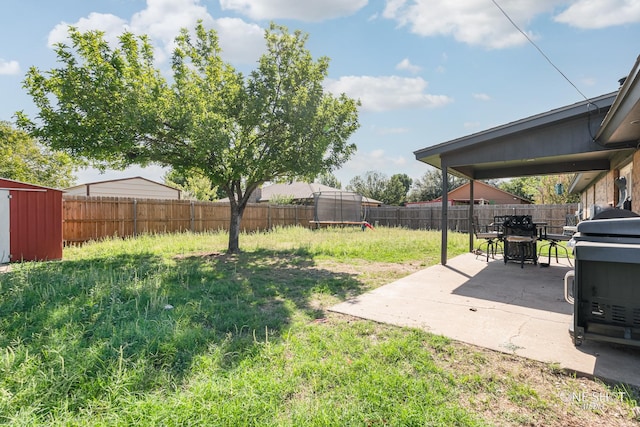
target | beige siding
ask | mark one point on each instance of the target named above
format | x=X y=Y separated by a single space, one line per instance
x=137 y=188
x=78 y=190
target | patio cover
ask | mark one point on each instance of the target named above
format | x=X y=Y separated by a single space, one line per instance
x=584 y=138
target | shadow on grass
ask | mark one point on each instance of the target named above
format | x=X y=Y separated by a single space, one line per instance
x=136 y=323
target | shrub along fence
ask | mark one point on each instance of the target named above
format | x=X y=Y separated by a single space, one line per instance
x=94 y=218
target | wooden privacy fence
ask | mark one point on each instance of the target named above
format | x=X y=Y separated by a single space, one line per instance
x=430 y=217
x=94 y=218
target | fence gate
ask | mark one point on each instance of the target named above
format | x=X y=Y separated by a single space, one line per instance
x=5 y=243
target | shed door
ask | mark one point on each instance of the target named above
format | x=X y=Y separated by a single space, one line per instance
x=4 y=227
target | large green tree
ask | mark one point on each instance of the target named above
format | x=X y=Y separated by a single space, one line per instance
x=397 y=189
x=547 y=189
x=376 y=185
x=113 y=107
x=22 y=158
x=330 y=180
x=194 y=185
x=429 y=186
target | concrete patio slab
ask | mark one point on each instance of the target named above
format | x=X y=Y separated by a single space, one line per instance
x=498 y=306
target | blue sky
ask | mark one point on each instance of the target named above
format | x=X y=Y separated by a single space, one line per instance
x=426 y=71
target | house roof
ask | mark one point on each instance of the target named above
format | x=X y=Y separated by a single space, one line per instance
x=622 y=122
x=120 y=180
x=297 y=190
x=464 y=187
x=302 y=191
x=558 y=141
x=587 y=138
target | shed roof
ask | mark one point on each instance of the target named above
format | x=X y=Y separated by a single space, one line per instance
x=11 y=184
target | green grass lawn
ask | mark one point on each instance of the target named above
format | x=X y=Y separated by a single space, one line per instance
x=168 y=330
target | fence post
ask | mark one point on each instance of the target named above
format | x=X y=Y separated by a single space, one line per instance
x=192 y=216
x=135 y=217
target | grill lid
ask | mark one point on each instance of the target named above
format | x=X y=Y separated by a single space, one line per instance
x=622 y=227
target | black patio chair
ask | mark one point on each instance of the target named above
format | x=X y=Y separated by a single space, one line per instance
x=488 y=238
x=553 y=241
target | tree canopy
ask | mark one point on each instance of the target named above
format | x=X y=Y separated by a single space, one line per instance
x=329 y=180
x=429 y=186
x=22 y=158
x=547 y=189
x=376 y=185
x=193 y=185
x=114 y=108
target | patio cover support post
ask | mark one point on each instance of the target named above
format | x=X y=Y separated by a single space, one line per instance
x=472 y=201
x=445 y=215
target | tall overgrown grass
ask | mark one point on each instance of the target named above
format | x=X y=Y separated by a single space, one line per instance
x=168 y=330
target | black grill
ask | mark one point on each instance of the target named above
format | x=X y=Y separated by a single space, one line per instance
x=606 y=290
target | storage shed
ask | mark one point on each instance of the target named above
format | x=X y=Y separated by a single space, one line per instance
x=135 y=188
x=30 y=222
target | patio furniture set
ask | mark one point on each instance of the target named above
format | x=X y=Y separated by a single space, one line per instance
x=517 y=237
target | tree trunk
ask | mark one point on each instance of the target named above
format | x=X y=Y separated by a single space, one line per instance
x=237 y=210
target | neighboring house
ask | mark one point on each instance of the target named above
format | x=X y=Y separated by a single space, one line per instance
x=302 y=193
x=135 y=188
x=597 y=139
x=483 y=194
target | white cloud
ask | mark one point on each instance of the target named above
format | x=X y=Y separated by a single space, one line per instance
x=110 y=24
x=162 y=20
x=304 y=10
x=388 y=92
x=9 y=68
x=474 y=22
x=592 y=14
x=240 y=41
x=405 y=64
x=482 y=96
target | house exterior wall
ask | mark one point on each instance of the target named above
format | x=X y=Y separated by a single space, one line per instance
x=35 y=217
x=486 y=192
x=635 y=188
x=481 y=191
x=603 y=192
x=137 y=188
